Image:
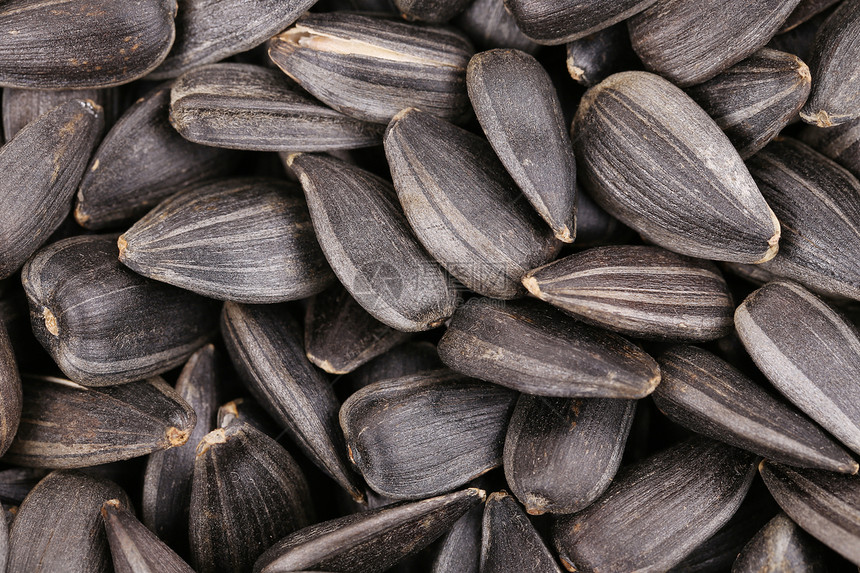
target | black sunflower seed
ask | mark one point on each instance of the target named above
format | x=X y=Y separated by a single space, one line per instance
x=21 y=106
x=781 y=545
x=247 y=410
x=840 y=143
x=804 y=11
x=460 y=548
x=509 y=541
x=430 y=10
x=403 y=360
x=16 y=483
x=489 y=25
x=11 y=393
x=595 y=57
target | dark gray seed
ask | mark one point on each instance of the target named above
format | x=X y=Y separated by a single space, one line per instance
x=16 y=483
x=533 y=348
x=211 y=30
x=59 y=527
x=65 y=425
x=509 y=541
x=10 y=393
x=133 y=547
x=650 y=156
x=519 y=111
x=463 y=206
x=119 y=187
x=835 y=74
x=460 y=548
x=104 y=324
x=369 y=541
x=826 y=505
x=699 y=485
x=808 y=351
x=595 y=57
x=780 y=546
x=594 y=226
x=552 y=22
x=248 y=240
x=247 y=493
x=753 y=100
x=705 y=394
x=691 y=41
x=103 y=42
x=265 y=345
x=247 y=410
x=42 y=166
x=4 y=543
x=167 y=478
x=21 y=106
x=647 y=292
x=751 y=273
x=801 y=40
x=562 y=453
x=403 y=360
x=818 y=204
x=368 y=242
x=425 y=434
x=435 y=11
x=840 y=143
x=241 y=106
x=489 y=25
x=804 y=11
x=371 y=68
x=339 y=334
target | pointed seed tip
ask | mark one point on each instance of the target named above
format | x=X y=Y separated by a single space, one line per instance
x=820 y=118
x=122 y=245
x=564 y=235
x=481 y=493
x=217 y=436
x=531 y=284
x=50 y=321
x=176 y=437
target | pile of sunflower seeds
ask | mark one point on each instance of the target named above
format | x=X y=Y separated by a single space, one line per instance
x=448 y=286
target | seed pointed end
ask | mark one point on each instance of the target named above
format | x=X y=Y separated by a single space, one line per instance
x=532 y=286
x=51 y=322
x=110 y=505
x=176 y=437
x=564 y=235
x=773 y=242
x=821 y=118
x=290 y=157
x=122 y=244
x=217 y=436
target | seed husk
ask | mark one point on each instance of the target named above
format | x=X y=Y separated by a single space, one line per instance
x=754 y=99
x=247 y=493
x=647 y=292
x=409 y=358
x=242 y=106
x=520 y=113
x=167 y=477
x=118 y=187
x=800 y=40
x=840 y=143
x=805 y=11
x=265 y=345
x=656 y=161
x=808 y=351
x=340 y=335
x=781 y=545
x=247 y=410
x=203 y=35
x=552 y=22
x=42 y=166
x=691 y=41
x=707 y=395
x=11 y=393
x=818 y=204
x=463 y=206
x=460 y=548
x=248 y=240
x=533 y=348
x=104 y=324
x=368 y=242
x=825 y=504
x=509 y=541
x=58 y=526
x=369 y=541
x=133 y=547
x=100 y=44
x=16 y=483
x=595 y=57
x=434 y=11
x=489 y=25
x=699 y=483
x=835 y=77
x=425 y=434
x=65 y=425
x=21 y=106
x=371 y=68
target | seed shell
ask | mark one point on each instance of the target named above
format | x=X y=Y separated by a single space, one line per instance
x=409 y=358
x=781 y=545
x=801 y=40
x=425 y=434
x=593 y=58
x=509 y=542
x=16 y=483
x=22 y=106
x=11 y=393
x=489 y=25
x=804 y=11
x=435 y=11
x=460 y=548
x=840 y=143
x=247 y=410
x=656 y=161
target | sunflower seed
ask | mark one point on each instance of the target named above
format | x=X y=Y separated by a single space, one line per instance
x=241 y=106
x=552 y=22
x=840 y=143
x=804 y=11
x=509 y=542
x=460 y=548
x=248 y=411
x=425 y=434
x=42 y=166
x=232 y=524
x=835 y=77
x=699 y=483
x=489 y=25
x=266 y=349
x=370 y=541
x=691 y=41
x=520 y=113
x=104 y=324
x=780 y=546
x=21 y=106
x=594 y=226
x=753 y=100
x=133 y=547
x=824 y=504
x=58 y=526
x=818 y=204
x=403 y=360
x=801 y=40
x=655 y=160
x=367 y=240
x=371 y=68
x=808 y=351
x=533 y=348
x=10 y=391
x=595 y=57
x=705 y=394
x=249 y=240
x=16 y=483
x=4 y=543
x=562 y=453
x=434 y=11
x=463 y=206
x=118 y=187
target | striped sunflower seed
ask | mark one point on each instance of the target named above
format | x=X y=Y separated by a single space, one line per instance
x=489 y=25
x=595 y=57
x=460 y=548
x=781 y=545
x=435 y=11
x=800 y=40
x=11 y=392
x=840 y=143
x=21 y=106
x=509 y=541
